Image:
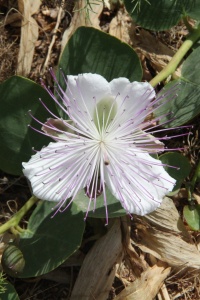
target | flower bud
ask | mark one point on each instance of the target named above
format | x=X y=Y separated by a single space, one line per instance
x=13 y=260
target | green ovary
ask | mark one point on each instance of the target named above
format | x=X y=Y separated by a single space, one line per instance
x=105 y=112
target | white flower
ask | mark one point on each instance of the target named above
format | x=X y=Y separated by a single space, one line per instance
x=104 y=146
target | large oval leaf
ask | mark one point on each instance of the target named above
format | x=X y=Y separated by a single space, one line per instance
x=192 y=9
x=163 y=14
x=186 y=105
x=48 y=242
x=92 y=51
x=18 y=96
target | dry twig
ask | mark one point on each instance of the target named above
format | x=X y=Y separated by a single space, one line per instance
x=53 y=37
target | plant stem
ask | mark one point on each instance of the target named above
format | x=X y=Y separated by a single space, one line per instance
x=14 y=221
x=176 y=59
x=187 y=24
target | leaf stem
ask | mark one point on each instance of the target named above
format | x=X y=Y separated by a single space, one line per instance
x=176 y=59
x=14 y=221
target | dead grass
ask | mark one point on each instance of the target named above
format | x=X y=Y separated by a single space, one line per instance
x=8 y=54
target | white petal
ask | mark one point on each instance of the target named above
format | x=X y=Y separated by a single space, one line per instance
x=133 y=98
x=59 y=170
x=87 y=90
x=140 y=184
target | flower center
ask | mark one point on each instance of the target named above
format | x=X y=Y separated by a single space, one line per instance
x=104 y=114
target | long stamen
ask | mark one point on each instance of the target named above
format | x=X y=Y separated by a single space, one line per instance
x=106 y=144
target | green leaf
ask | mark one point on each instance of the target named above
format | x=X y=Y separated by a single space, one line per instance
x=163 y=14
x=176 y=160
x=18 y=96
x=10 y=293
x=49 y=241
x=92 y=51
x=192 y=9
x=114 y=206
x=186 y=105
x=192 y=216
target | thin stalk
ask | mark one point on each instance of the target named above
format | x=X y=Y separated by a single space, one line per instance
x=187 y=24
x=176 y=59
x=14 y=221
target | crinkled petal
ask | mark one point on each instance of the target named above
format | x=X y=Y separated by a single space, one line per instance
x=145 y=142
x=139 y=183
x=133 y=98
x=54 y=127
